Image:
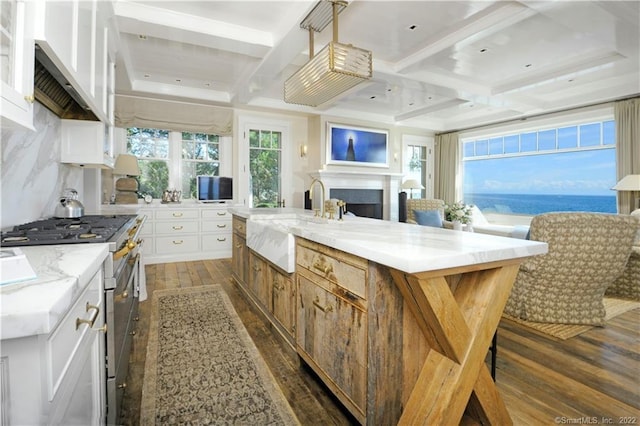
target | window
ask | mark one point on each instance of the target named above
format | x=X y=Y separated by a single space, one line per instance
x=151 y=146
x=265 y=164
x=200 y=156
x=170 y=160
x=568 y=168
x=418 y=164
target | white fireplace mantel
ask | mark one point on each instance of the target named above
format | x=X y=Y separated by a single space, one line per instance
x=389 y=183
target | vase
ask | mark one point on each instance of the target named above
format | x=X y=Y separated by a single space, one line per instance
x=457 y=225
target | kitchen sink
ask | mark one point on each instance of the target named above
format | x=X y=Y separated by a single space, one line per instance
x=272 y=238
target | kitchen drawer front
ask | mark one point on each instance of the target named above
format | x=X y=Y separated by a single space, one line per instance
x=217 y=242
x=331 y=334
x=177 y=244
x=221 y=214
x=64 y=341
x=240 y=226
x=177 y=214
x=178 y=227
x=347 y=271
x=216 y=225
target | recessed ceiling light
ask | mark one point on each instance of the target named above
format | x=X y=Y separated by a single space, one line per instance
x=570 y=80
x=412 y=27
x=429 y=98
x=410 y=103
x=484 y=49
x=146 y=76
x=372 y=97
x=527 y=66
x=178 y=80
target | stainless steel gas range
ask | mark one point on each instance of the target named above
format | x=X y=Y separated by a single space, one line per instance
x=121 y=278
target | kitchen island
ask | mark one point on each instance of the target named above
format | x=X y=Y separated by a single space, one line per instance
x=395 y=318
x=52 y=368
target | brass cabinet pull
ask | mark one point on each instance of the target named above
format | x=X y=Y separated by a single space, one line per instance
x=133 y=333
x=178 y=228
x=322 y=267
x=30 y=98
x=132 y=261
x=238 y=246
x=222 y=213
x=222 y=226
x=324 y=309
x=122 y=385
x=90 y=321
x=177 y=214
x=222 y=239
x=178 y=242
x=103 y=328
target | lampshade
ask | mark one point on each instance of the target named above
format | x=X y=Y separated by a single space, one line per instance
x=126 y=164
x=628 y=183
x=411 y=184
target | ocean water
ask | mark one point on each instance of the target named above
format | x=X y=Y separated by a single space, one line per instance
x=532 y=204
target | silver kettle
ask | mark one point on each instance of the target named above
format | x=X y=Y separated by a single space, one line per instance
x=68 y=206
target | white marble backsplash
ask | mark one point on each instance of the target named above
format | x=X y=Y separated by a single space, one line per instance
x=32 y=176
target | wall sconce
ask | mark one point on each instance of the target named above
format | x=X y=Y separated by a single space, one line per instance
x=395 y=157
x=303 y=150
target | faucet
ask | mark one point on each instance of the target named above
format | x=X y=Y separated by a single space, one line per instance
x=321 y=196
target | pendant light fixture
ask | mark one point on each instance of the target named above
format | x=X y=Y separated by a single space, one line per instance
x=335 y=69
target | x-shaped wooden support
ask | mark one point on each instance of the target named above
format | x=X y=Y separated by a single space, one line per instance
x=458 y=318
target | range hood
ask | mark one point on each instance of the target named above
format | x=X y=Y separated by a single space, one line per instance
x=53 y=91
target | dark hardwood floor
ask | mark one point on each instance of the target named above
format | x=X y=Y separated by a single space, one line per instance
x=593 y=378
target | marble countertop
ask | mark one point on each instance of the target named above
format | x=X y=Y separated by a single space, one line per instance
x=35 y=307
x=406 y=247
x=156 y=204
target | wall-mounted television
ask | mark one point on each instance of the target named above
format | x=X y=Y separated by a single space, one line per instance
x=214 y=189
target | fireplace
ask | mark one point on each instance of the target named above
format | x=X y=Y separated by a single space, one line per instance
x=361 y=202
x=367 y=194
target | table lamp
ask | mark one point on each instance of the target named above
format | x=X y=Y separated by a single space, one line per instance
x=630 y=183
x=411 y=184
x=126 y=187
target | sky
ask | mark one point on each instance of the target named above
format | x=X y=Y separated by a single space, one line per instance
x=566 y=173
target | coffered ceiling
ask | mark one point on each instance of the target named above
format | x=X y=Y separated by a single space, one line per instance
x=438 y=65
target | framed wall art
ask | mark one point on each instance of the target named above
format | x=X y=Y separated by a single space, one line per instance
x=357 y=146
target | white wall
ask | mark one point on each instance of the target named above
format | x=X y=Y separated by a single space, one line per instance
x=32 y=176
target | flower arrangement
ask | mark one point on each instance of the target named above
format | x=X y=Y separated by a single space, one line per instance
x=458 y=212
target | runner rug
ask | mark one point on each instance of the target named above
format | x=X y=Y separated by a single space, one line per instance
x=613 y=308
x=203 y=368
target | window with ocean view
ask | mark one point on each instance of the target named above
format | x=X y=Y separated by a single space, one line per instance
x=569 y=168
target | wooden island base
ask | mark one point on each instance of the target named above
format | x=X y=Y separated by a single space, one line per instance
x=458 y=315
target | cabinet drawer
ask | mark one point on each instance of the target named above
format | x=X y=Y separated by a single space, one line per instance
x=177 y=214
x=216 y=214
x=178 y=227
x=64 y=341
x=240 y=226
x=216 y=242
x=177 y=244
x=347 y=271
x=216 y=226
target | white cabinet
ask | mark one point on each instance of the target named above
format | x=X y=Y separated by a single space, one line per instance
x=74 y=34
x=84 y=143
x=16 y=61
x=178 y=234
x=59 y=378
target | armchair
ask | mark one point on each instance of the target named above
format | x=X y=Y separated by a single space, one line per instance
x=587 y=252
x=423 y=204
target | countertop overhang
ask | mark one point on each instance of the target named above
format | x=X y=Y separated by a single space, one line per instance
x=36 y=306
x=406 y=247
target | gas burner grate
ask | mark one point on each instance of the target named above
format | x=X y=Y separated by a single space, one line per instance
x=86 y=229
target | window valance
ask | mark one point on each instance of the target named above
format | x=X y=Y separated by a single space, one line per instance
x=131 y=111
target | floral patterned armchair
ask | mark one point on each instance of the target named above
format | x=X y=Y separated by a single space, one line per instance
x=587 y=253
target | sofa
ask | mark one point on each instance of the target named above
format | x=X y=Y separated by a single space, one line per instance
x=587 y=253
x=478 y=222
